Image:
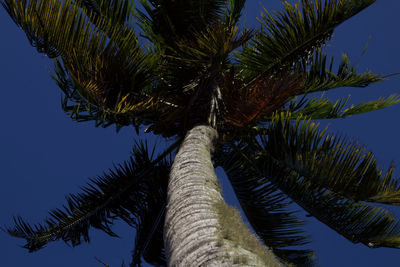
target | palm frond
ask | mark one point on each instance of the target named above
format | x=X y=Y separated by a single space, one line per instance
x=129 y=192
x=234 y=11
x=62 y=26
x=210 y=47
x=83 y=109
x=149 y=239
x=356 y=221
x=319 y=74
x=267 y=209
x=167 y=21
x=342 y=167
x=111 y=69
x=295 y=33
x=324 y=108
x=119 y=12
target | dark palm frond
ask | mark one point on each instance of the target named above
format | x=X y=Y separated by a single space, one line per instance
x=342 y=167
x=171 y=36
x=234 y=11
x=209 y=48
x=319 y=75
x=356 y=221
x=267 y=210
x=168 y=21
x=112 y=74
x=295 y=33
x=323 y=108
x=149 y=240
x=120 y=12
x=129 y=192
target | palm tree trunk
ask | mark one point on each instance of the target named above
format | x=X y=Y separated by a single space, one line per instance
x=194 y=233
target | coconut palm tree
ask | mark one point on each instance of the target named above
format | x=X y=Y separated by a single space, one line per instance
x=221 y=95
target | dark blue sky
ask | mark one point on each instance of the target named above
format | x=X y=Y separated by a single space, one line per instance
x=44 y=155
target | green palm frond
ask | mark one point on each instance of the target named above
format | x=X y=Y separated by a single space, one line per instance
x=210 y=47
x=342 y=167
x=131 y=192
x=63 y=26
x=267 y=209
x=319 y=75
x=234 y=11
x=295 y=33
x=356 y=221
x=111 y=69
x=323 y=108
x=80 y=107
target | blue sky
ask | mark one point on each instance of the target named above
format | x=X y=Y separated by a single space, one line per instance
x=44 y=155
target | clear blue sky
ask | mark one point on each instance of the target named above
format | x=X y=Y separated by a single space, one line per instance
x=44 y=155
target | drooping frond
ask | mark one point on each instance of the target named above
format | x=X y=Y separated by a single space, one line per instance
x=323 y=108
x=295 y=33
x=319 y=74
x=132 y=192
x=108 y=68
x=267 y=209
x=61 y=26
x=342 y=167
x=356 y=221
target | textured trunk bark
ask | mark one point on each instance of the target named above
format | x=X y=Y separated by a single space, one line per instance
x=193 y=232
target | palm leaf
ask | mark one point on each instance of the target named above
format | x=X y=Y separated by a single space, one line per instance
x=323 y=108
x=288 y=36
x=83 y=108
x=111 y=69
x=119 y=12
x=129 y=192
x=149 y=239
x=267 y=209
x=356 y=221
x=234 y=11
x=62 y=25
x=342 y=167
x=319 y=75
x=168 y=21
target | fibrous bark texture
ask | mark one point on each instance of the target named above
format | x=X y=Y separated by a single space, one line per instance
x=192 y=231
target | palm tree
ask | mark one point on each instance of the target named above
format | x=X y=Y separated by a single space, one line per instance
x=225 y=96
